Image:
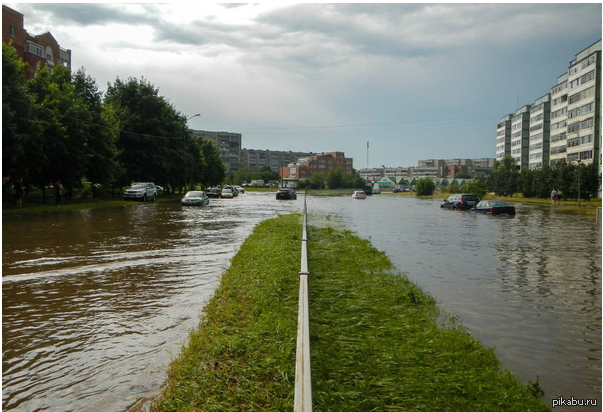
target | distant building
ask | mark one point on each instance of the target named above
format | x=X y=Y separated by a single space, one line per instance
x=256 y=160
x=321 y=163
x=432 y=168
x=229 y=145
x=38 y=50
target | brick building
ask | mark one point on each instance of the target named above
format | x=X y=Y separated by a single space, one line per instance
x=319 y=163
x=37 y=51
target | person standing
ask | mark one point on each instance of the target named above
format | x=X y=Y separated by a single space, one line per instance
x=553 y=195
x=58 y=188
x=19 y=193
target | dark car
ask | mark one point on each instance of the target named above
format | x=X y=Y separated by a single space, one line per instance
x=494 y=207
x=214 y=192
x=286 y=194
x=461 y=201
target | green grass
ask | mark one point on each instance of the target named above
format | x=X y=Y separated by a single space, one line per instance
x=378 y=343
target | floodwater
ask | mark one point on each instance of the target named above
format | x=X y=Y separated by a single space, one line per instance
x=96 y=303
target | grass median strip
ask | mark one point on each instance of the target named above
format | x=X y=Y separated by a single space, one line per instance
x=378 y=343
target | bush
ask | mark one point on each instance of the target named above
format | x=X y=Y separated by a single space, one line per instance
x=425 y=187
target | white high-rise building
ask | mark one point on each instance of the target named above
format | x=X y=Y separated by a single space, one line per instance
x=558 y=139
x=540 y=123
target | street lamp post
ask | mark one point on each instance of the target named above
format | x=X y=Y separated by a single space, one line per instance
x=578 y=170
x=184 y=149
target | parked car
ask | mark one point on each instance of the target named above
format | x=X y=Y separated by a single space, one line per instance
x=240 y=189
x=227 y=194
x=494 y=207
x=195 y=198
x=141 y=191
x=214 y=192
x=359 y=194
x=462 y=201
x=286 y=194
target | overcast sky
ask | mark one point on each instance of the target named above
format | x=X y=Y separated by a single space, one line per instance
x=416 y=81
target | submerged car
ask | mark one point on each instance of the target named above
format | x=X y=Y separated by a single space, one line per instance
x=233 y=189
x=359 y=194
x=494 y=207
x=195 y=198
x=214 y=192
x=286 y=194
x=461 y=201
x=227 y=194
x=141 y=191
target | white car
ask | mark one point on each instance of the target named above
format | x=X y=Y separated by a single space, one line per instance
x=141 y=191
x=359 y=194
x=195 y=198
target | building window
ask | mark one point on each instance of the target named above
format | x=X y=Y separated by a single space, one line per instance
x=12 y=31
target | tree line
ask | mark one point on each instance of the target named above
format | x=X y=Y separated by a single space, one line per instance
x=571 y=181
x=59 y=126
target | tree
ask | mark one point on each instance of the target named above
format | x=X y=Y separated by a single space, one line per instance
x=21 y=131
x=425 y=187
x=100 y=165
x=334 y=178
x=477 y=187
x=504 y=177
x=316 y=181
x=65 y=121
x=154 y=142
x=214 y=169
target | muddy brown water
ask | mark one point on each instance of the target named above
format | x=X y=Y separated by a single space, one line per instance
x=96 y=303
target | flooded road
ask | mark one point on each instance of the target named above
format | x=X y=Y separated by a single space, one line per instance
x=96 y=303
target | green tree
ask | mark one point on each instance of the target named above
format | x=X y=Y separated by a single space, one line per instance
x=316 y=181
x=214 y=169
x=154 y=142
x=425 y=187
x=21 y=131
x=334 y=178
x=505 y=177
x=64 y=118
x=100 y=165
x=478 y=187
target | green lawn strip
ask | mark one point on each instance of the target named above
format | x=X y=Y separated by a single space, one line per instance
x=242 y=356
x=377 y=341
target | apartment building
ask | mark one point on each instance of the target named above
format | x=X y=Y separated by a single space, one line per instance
x=520 y=136
x=320 y=163
x=573 y=108
x=229 y=145
x=503 y=137
x=539 y=134
x=584 y=106
x=558 y=137
x=38 y=51
x=256 y=160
